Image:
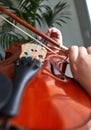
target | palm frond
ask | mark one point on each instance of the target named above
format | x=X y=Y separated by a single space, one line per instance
x=57 y=14
x=32 y=11
x=8 y=38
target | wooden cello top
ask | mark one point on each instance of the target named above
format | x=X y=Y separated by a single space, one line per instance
x=51 y=100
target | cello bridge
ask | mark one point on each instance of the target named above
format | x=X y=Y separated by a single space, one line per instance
x=34 y=51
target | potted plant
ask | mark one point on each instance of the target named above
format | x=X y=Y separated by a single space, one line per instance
x=35 y=12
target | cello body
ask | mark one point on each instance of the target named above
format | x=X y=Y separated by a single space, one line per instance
x=51 y=100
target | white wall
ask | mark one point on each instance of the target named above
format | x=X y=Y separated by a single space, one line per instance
x=71 y=31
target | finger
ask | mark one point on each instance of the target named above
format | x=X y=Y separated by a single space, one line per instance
x=39 y=37
x=82 y=51
x=89 y=50
x=73 y=53
x=54 y=31
x=49 y=32
x=56 y=35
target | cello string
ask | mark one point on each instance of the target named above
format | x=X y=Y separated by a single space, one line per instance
x=28 y=35
x=33 y=29
x=63 y=48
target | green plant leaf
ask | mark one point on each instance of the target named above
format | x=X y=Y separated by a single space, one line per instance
x=35 y=12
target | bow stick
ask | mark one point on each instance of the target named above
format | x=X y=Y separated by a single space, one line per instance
x=33 y=29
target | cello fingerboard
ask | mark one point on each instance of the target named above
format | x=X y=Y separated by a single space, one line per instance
x=34 y=51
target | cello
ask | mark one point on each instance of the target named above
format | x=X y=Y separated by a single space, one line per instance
x=50 y=100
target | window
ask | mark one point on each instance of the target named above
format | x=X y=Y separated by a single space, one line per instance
x=88 y=2
x=83 y=8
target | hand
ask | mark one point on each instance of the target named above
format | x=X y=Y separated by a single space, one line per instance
x=55 y=34
x=80 y=64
